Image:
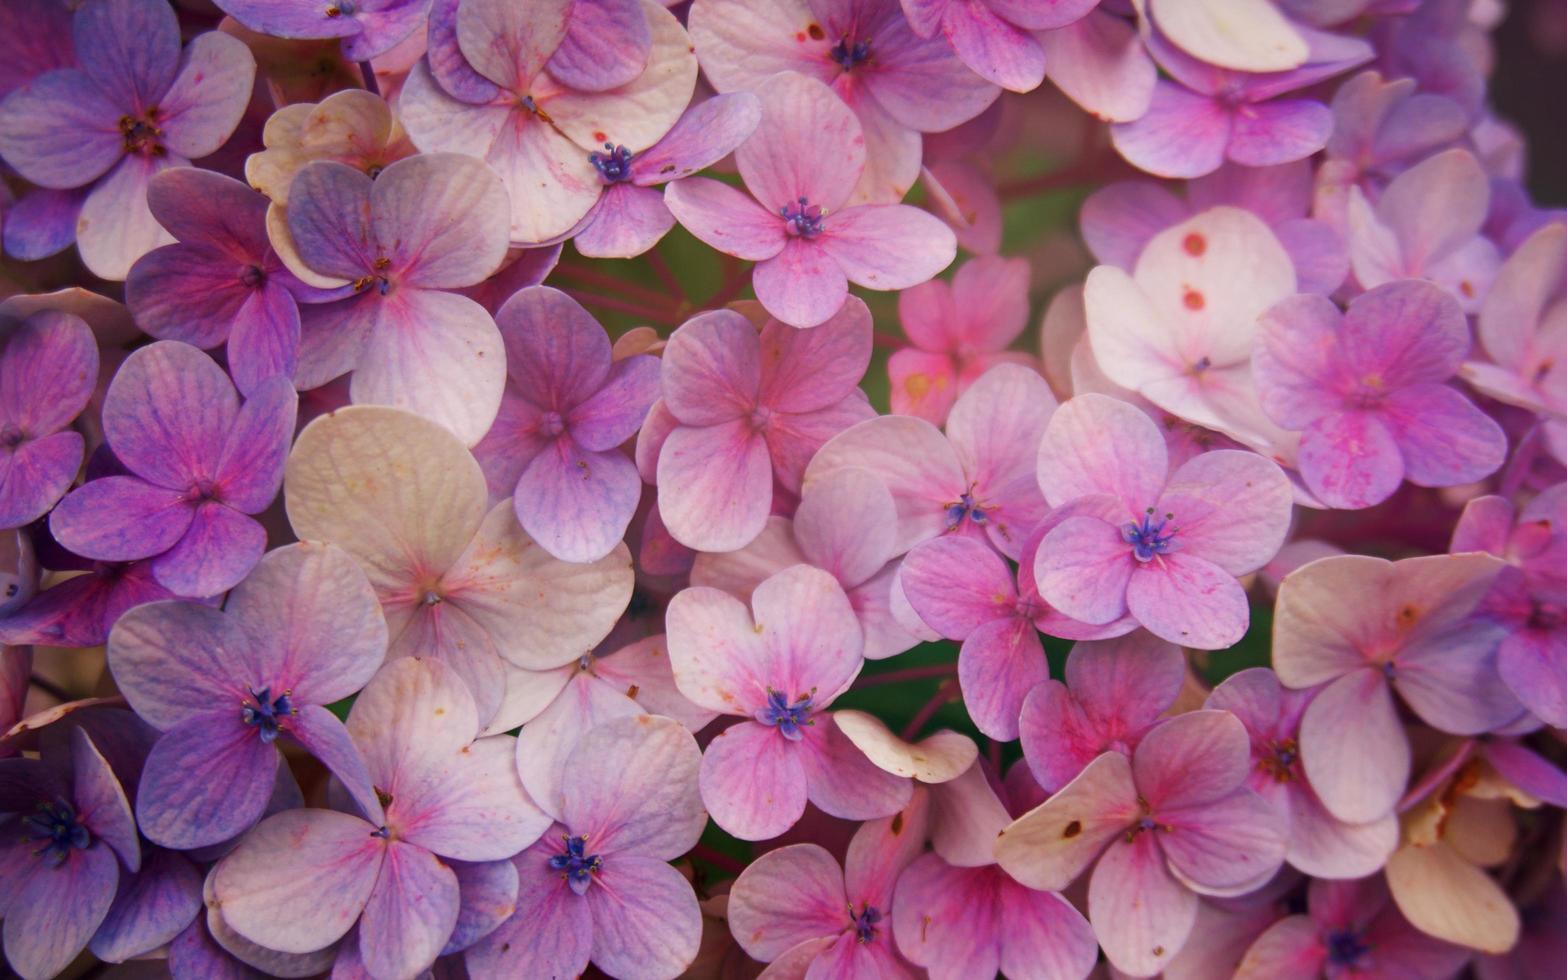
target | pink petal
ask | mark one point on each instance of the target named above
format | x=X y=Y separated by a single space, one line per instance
x=1267 y=134
x=1224 y=844
x=645 y=918
x=411 y=720
x=1444 y=438
x=1192 y=759
x=474 y=809
x=887 y=246
x=996 y=427
x=923 y=385
x=1085 y=569
x=846 y=525
x=1354 y=749
x=720 y=662
x=809 y=370
x=1405 y=333
x=551 y=933
x=753 y=781
x=1451 y=681
x=1095 y=444
x=725 y=218
x=811 y=636
x=1233 y=508
x=510 y=43
x=577 y=505
x=1183 y=134
x=996 y=50
x=1188 y=600
x=706 y=133
x=1141 y=913
x=606 y=45
x=1048 y=847
x=545 y=743
x=947 y=919
x=439 y=219
x=168 y=413
x=786 y=897
x=1291 y=947
x=841 y=781
x=717 y=485
x=209 y=95
x=793 y=440
x=780 y=165
x=1044 y=936
x=631 y=787
x=712 y=369
x=1100 y=63
x=628 y=221
x=958 y=585
x=803 y=284
x=410 y=913
x=999 y=664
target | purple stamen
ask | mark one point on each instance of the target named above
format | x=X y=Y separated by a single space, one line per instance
x=788 y=717
x=848 y=54
x=1347 y=949
x=864 y=922
x=802 y=219
x=266 y=713
x=1149 y=538
x=966 y=508
x=577 y=867
x=613 y=166
x=56 y=826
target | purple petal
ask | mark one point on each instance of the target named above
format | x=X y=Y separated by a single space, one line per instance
x=186 y=293
x=250 y=469
x=753 y=781
x=37 y=38
x=1182 y=134
x=168 y=414
x=780 y=166
x=48 y=372
x=509 y=43
x=558 y=354
x=1445 y=440
x=42 y=222
x=1533 y=663
x=1282 y=131
x=1119 y=219
x=631 y=786
x=209 y=95
x=217 y=550
x=324 y=736
x=997 y=51
x=1451 y=681
x=445 y=59
x=786 y=897
x=550 y=934
x=56 y=911
x=130 y=48
x=1350 y=460
x=613 y=414
x=645 y=918
x=329 y=219
x=440 y=219
x=410 y=913
x=173 y=660
x=100 y=800
x=606 y=45
x=489 y=896
x=120 y=518
x=151 y=909
x=705 y=134
x=60 y=131
x=264 y=338
x=35 y=475
x=725 y=218
x=208 y=779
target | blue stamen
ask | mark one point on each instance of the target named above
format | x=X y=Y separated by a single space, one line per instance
x=788 y=717
x=56 y=826
x=802 y=219
x=267 y=713
x=1346 y=948
x=613 y=166
x=864 y=922
x=577 y=867
x=966 y=507
x=847 y=54
x=1150 y=538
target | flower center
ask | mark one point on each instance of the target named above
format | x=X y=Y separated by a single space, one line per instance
x=864 y=921
x=378 y=278
x=1346 y=948
x=141 y=135
x=1149 y=537
x=576 y=866
x=252 y=277
x=613 y=166
x=266 y=713
x=55 y=827
x=849 y=53
x=761 y=417
x=11 y=436
x=966 y=508
x=202 y=491
x=1279 y=760
x=551 y=424
x=789 y=718
x=802 y=219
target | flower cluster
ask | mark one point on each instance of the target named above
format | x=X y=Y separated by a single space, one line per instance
x=394 y=590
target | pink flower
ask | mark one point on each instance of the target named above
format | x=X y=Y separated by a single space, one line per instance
x=1366 y=627
x=1174 y=821
x=745 y=410
x=1166 y=549
x=1368 y=390
x=995 y=37
x=959 y=331
x=800 y=167
x=598 y=885
x=779 y=666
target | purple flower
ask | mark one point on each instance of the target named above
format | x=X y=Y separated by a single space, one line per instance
x=1206 y=114
x=368 y=28
x=1320 y=844
x=487 y=89
x=808 y=245
x=199 y=463
x=798 y=910
x=404 y=240
x=136 y=106
x=958 y=331
x=72 y=841
x=458 y=579
x=779 y=666
x=1367 y=388
x=1172 y=822
x=1130 y=539
x=598 y=886
x=555 y=445
x=79 y=611
x=630 y=216
x=748 y=410
x=48 y=370
x=1350 y=929
x=965 y=591
x=1115 y=692
x=845 y=525
x=302 y=631
x=1529 y=597
x=1366 y=627
x=898 y=83
x=995 y=37
x=222 y=281
x=447 y=795
x=976 y=480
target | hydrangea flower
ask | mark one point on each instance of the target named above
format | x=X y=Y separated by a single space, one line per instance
x=486 y=90
x=975 y=480
x=798 y=910
x=79 y=611
x=597 y=885
x=73 y=841
x=1529 y=598
x=746 y=410
x=459 y=581
x=898 y=83
x=1207 y=114
x=403 y=240
x=1115 y=692
x=48 y=369
x=137 y=105
x=1166 y=549
x=1367 y=627
x=1320 y=844
x=958 y=332
x=447 y=795
x=994 y=37
x=302 y=631
x=779 y=666
x=368 y=28
x=797 y=225
x=567 y=411
x=222 y=281
x=1173 y=821
x=844 y=525
x=1368 y=390
x=199 y=465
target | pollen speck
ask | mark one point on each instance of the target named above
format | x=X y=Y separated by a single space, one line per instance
x=816 y=32
x=897 y=824
x=1072 y=829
